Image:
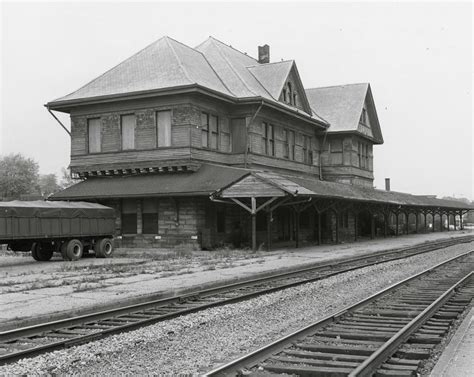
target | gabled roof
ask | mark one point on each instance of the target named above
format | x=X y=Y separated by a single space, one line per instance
x=342 y=106
x=163 y=64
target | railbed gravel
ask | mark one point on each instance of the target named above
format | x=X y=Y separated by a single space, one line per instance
x=199 y=342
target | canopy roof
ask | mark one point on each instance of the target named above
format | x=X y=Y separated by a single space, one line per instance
x=217 y=180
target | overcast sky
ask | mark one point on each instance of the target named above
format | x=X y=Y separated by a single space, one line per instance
x=416 y=56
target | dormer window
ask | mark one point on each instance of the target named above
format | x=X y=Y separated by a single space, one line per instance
x=363 y=117
x=289 y=94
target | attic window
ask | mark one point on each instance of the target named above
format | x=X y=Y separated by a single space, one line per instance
x=289 y=94
x=363 y=117
x=284 y=95
x=294 y=99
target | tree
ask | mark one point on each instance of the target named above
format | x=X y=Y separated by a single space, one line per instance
x=18 y=176
x=48 y=184
x=66 y=180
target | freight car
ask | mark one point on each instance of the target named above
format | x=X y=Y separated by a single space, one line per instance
x=69 y=228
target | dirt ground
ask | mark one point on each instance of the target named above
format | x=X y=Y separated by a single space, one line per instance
x=31 y=291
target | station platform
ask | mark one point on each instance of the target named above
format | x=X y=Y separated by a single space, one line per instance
x=457 y=359
x=32 y=292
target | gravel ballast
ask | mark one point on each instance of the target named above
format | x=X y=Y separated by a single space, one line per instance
x=201 y=341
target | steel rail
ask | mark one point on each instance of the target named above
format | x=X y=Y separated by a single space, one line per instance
x=35 y=329
x=374 y=361
x=30 y=331
x=253 y=358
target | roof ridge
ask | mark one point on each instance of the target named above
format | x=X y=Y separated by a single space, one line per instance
x=115 y=66
x=233 y=48
x=180 y=63
x=267 y=64
x=232 y=67
x=217 y=75
x=335 y=86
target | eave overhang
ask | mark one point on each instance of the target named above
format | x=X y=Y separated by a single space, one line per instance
x=67 y=105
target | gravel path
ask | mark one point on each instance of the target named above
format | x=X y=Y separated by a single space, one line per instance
x=199 y=342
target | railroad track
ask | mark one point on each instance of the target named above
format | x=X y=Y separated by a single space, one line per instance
x=46 y=337
x=387 y=334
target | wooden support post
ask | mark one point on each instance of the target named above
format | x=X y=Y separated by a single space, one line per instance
x=417 y=215
x=385 y=224
x=319 y=228
x=406 y=222
x=425 y=214
x=356 y=215
x=461 y=225
x=454 y=220
x=297 y=226
x=254 y=224
x=433 y=218
x=396 y=225
x=447 y=220
x=372 y=226
x=269 y=229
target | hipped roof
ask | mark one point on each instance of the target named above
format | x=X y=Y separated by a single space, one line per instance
x=169 y=64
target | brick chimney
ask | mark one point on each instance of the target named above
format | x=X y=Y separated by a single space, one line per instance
x=387 y=184
x=264 y=54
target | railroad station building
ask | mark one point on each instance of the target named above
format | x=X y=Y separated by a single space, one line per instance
x=208 y=146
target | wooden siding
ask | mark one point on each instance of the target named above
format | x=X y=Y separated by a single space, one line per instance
x=251 y=187
x=126 y=159
x=281 y=164
x=216 y=156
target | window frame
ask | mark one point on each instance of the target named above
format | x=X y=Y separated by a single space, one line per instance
x=157 y=128
x=89 y=135
x=206 y=129
x=121 y=131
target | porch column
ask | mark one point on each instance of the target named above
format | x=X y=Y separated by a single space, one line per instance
x=269 y=229
x=396 y=225
x=319 y=228
x=433 y=219
x=372 y=226
x=447 y=220
x=406 y=220
x=454 y=220
x=356 y=216
x=297 y=228
x=385 y=224
x=461 y=224
x=417 y=214
x=425 y=214
x=254 y=224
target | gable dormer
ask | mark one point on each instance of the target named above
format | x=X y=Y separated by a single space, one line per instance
x=282 y=81
x=292 y=92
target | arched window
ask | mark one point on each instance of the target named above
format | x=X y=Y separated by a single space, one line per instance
x=284 y=95
x=289 y=93
x=294 y=99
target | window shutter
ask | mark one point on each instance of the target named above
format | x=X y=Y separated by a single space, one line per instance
x=164 y=128
x=94 y=135
x=128 y=132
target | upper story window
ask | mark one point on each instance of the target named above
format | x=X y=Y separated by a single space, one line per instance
x=127 y=126
x=210 y=131
x=163 y=128
x=94 y=135
x=286 y=144
x=290 y=94
x=268 y=139
x=363 y=153
x=307 y=150
x=363 y=116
